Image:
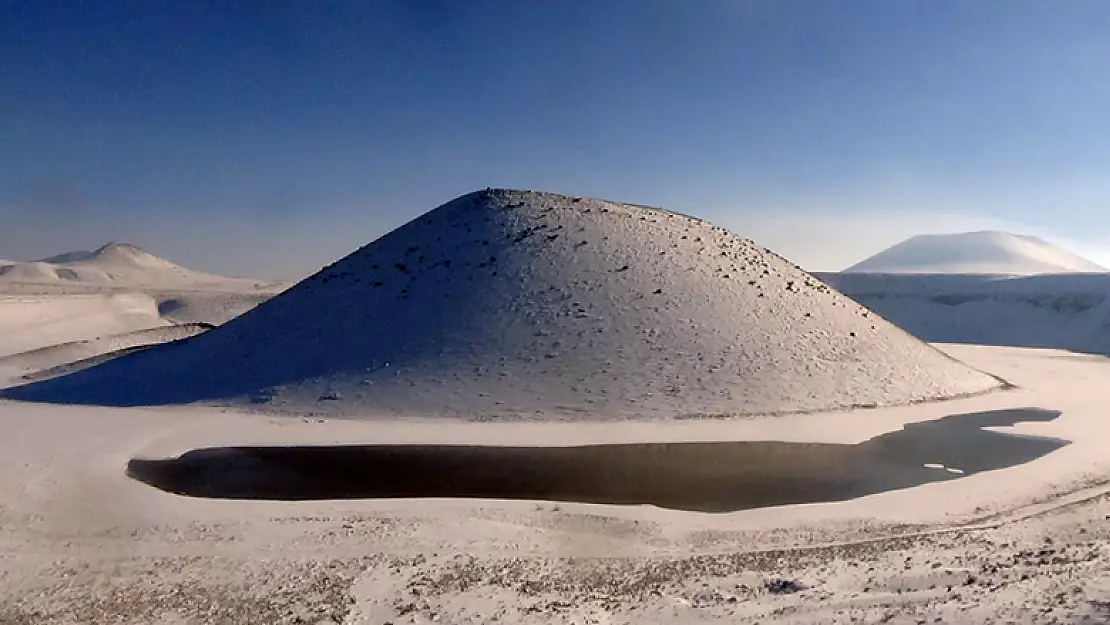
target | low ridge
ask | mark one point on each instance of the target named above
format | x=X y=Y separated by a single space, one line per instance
x=506 y=304
x=121 y=253
x=120 y=264
x=985 y=252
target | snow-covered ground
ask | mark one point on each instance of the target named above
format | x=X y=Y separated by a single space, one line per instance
x=987 y=507
x=985 y=252
x=53 y=360
x=84 y=543
x=1066 y=311
x=514 y=305
x=34 y=322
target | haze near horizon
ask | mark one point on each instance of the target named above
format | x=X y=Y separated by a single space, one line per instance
x=273 y=139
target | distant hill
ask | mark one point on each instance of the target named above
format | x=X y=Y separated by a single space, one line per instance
x=986 y=252
x=120 y=264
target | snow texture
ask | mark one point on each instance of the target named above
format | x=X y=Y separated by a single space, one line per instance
x=207 y=307
x=515 y=305
x=984 y=252
x=1027 y=544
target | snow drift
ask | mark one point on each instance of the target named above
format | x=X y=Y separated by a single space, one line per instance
x=207 y=307
x=975 y=253
x=507 y=304
x=44 y=361
x=33 y=322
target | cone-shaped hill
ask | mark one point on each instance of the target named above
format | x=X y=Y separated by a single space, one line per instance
x=507 y=304
x=985 y=252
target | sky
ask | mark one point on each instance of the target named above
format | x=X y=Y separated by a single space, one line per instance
x=270 y=138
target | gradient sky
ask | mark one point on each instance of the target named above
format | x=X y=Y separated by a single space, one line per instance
x=270 y=138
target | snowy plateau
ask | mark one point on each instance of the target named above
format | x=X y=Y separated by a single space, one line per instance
x=526 y=407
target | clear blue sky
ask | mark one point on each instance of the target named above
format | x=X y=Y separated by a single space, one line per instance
x=270 y=138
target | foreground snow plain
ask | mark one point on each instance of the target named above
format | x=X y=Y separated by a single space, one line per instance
x=81 y=542
x=218 y=515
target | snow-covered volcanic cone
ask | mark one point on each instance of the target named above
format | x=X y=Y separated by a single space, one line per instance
x=986 y=252
x=507 y=304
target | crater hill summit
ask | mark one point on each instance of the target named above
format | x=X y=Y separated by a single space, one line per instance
x=517 y=305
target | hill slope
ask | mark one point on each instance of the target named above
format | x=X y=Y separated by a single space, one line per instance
x=16 y=366
x=984 y=252
x=520 y=305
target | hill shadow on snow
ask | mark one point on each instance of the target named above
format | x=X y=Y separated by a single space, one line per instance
x=704 y=477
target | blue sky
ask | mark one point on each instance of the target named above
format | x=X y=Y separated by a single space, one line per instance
x=270 y=138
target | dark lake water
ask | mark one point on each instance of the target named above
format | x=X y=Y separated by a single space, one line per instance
x=706 y=477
